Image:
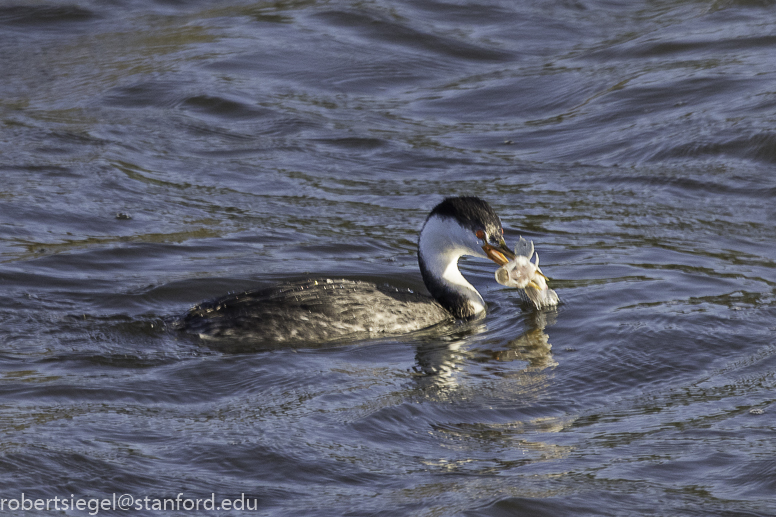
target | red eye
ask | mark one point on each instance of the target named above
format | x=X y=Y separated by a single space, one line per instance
x=480 y=234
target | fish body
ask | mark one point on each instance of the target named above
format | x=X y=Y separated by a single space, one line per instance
x=525 y=275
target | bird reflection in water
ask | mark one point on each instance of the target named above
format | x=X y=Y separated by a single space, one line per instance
x=441 y=363
x=533 y=346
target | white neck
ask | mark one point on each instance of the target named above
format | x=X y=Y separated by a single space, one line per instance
x=442 y=242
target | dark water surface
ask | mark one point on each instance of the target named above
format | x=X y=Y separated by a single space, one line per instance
x=155 y=154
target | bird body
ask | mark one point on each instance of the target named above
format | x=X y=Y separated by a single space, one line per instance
x=315 y=311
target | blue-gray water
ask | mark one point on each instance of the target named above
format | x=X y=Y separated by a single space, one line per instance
x=154 y=154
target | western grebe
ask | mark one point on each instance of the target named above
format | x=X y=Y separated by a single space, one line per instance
x=323 y=310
